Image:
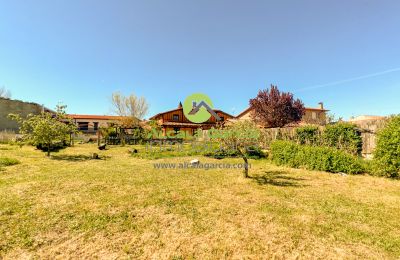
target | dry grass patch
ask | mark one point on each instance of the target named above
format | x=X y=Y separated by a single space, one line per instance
x=118 y=207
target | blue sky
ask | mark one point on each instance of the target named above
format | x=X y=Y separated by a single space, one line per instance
x=344 y=53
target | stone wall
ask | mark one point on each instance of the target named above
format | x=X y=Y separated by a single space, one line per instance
x=8 y=106
x=369 y=130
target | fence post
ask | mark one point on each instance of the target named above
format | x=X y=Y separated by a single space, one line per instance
x=98 y=138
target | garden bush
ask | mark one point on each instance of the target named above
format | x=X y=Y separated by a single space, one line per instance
x=343 y=136
x=255 y=152
x=315 y=158
x=307 y=135
x=252 y=152
x=387 y=152
x=221 y=154
x=55 y=147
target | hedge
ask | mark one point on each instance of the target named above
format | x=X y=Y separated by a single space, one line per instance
x=314 y=158
x=387 y=152
x=308 y=134
x=343 y=136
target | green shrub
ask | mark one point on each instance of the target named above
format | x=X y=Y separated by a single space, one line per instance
x=285 y=153
x=307 y=135
x=368 y=166
x=387 y=152
x=108 y=132
x=255 y=152
x=221 y=154
x=343 y=136
x=252 y=152
x=55 y=147
x=315 y=158
x=8 y=161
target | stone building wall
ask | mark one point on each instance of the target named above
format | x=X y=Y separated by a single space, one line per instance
x=8 y=106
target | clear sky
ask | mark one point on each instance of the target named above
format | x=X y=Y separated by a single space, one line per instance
x=344 y=53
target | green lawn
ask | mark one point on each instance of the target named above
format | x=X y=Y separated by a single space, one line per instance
x=70 y=206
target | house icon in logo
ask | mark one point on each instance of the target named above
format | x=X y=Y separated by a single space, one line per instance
x=198 y=108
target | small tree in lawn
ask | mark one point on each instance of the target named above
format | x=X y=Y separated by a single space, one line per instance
x=46 y=128
x=272 y=108
x=240 y=137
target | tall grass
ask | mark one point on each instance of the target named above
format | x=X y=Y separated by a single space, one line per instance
x=4 y=161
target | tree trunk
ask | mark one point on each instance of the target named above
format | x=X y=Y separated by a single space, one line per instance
x=71 y=140
x=122 y=137
x=246 y=167
x=48 y=149
x=98 y=138
x=246 y=164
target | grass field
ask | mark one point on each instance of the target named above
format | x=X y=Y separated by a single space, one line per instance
x=70 y=206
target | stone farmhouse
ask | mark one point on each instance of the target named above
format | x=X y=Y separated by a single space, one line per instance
x=316 y=116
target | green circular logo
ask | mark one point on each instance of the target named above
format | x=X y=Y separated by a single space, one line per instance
x=197 y=108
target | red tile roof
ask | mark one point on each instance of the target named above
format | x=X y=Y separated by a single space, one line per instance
x=177 y=109
x=187 y=124
x=315 y=109
x=104 y=117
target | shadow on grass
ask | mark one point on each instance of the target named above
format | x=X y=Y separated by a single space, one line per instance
x=76 y=158
x=278 y=178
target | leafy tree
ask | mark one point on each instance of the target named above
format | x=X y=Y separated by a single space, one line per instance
x=272 y=108
x=331 y=118
x=45 y=129
x=240 y=137
x=130 y=108
x=108 y=131
x=387 y=152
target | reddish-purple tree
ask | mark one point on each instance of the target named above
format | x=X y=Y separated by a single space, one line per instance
x=272 y=108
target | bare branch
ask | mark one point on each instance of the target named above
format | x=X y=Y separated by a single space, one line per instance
x=131 y=108
x=4 y=93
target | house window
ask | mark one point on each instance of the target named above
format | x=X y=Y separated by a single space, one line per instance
x=95 y=126
x=222 y=118
x=83 y=126
x=314 y=115
x=175 y=117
